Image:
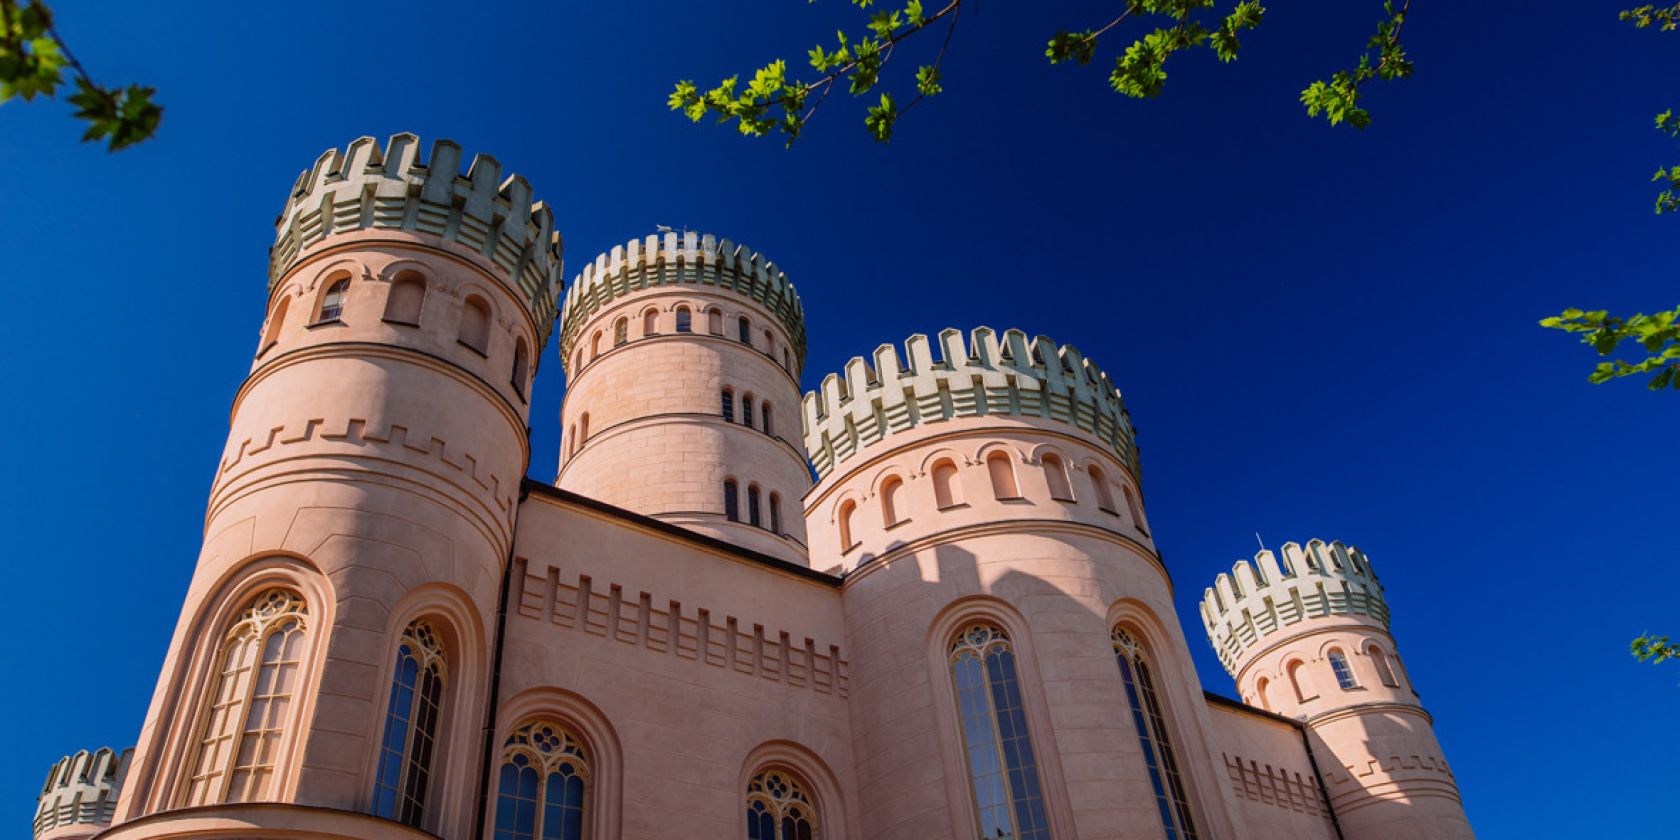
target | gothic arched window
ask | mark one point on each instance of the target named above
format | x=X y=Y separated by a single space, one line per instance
x=778 y=808
x=249 y=701
x=1003 y=772
x=411 y=727
x=542 y=791
x=1154 y=737
x=332 y=303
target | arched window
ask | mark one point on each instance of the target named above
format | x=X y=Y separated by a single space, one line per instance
x=731 y=502
x=746 y=410
x=685 y=320
x=543 y=788
x=407 y=295
x=945 y=485
x=1153 y=736
x=764 y=409
x=577 y=360
x=728 y=405
x=595 y=346
x=571 y=441
x=1385 y=671
x=275 y=321
x=1300 y=679
x=1003 y=476
x=583 y=429
x=889 y=500
x=521 y=363
x=753 y=517
x=1260 y=689
x=787 y=360
x=621 y=332
x=744 y=330
x=847 y=508
x=249 y=701
x=714 y=322
x=1132 y=505
x=1105 y=494
x=1055 y=473
x=778 y=808
x=650 y=323
x=770 y=343
x=1002 y=769
x=1344 y=673
x=332 y=303
x=475 y=324
x=411 y=727
x=775 y=513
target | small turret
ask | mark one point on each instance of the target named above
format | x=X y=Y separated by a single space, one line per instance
x=1307 y=636
x=79 y=798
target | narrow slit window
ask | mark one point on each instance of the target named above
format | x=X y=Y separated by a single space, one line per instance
x=731 y=502
x=775 y=513
x=744 y=330
x=747 y=410
x=753 y=517
x=728 y=406
x=764 y=412
x=521 y=365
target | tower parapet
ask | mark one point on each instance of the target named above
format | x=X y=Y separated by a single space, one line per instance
x=1028 y=378
x=674 y=259
x=365 y=187
x=79 y=797
x=1260 y=598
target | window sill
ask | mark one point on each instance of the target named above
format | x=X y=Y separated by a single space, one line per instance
x=954 y=506
x=481 y=353
x=401 y=323
x=328 y=322
x=904 y=521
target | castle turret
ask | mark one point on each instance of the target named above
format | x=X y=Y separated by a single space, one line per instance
x=1306 y=635
x=329 y=670
x=980 y=494
x=79 y=798
x=682 y=357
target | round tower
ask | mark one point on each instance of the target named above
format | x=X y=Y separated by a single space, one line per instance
x=682 y=357
x=79 y=797
x=1306 y=636
x=363 y=510
x=980 y=494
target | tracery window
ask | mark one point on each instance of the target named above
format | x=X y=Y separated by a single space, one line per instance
x=1153 y=736
x=542 y=792
x=1002 y=770
x=411 y=726
x=1344 y=673
x=779 y=809
x=332 y=303
x=249 y=701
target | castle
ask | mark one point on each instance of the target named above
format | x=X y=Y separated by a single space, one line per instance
x=960 y=628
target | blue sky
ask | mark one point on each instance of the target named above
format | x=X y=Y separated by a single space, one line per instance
x=1319 y=332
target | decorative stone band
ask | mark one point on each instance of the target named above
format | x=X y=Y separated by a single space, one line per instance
x=365 y=187
x=1258 y=599
x=679 y=259
x=1025 y=378
x=82 y=789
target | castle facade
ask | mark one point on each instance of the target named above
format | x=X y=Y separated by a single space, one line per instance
x=920 y=602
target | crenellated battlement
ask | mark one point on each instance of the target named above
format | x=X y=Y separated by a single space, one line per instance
x=81 y=789
x=674 y=259
x=1260 y=598
x=365 y=187
x=1015 y=376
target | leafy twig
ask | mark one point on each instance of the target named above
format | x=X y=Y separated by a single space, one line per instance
x=33 y=57
x=1338 y=98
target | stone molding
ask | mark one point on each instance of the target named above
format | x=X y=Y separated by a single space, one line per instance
x=676 y=259
x=878 y=398
x=1261 y=598
x=82 y=789
x=365 y=187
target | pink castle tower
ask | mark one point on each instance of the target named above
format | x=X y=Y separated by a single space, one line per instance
x=363 y=512
x=1306 y=636
x=79 y=797
x=682 y=357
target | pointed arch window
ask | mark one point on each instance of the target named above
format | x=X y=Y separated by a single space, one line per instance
x=1003 y=476
x=404 y=301
x=332 y=303
x=1344 y=673
x=1003 y=772
x=542 y=789
x=945 y=492
x=779 y=809
x=250 y=701
x=411 y=727
x=1055 y=474
x=685 y=320
x=731 y=501
x=1153 y=736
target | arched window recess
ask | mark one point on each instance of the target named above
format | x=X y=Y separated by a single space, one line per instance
x=1003 y=771
x=412 y=716
x=778 y=807
x=543 y=786
x=1153 y=736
